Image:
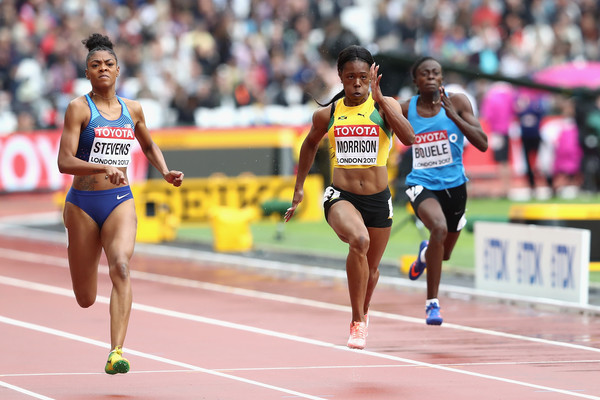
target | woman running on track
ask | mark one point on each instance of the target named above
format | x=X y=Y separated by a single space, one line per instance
x=360 y=124
x=437 y=184
x=99 y=213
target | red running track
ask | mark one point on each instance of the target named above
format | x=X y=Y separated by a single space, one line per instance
x=205 y=331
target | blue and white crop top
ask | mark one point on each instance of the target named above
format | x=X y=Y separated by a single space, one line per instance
x=437 y=151
x=104 y=141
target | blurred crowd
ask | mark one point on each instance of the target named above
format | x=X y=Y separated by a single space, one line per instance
x=189 y=61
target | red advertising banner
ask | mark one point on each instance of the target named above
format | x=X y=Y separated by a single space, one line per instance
x=28 y=162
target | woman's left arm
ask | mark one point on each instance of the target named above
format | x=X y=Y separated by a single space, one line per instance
x=459 y=110
x=151 y=149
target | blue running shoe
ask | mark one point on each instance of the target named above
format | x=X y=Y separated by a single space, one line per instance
x=433 y=314
x=417 y=267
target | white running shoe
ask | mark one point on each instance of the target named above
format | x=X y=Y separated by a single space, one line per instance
x=358 y=335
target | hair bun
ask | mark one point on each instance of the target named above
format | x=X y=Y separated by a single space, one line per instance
x=96 y=40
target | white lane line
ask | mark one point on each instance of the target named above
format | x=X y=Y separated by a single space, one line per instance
x=25 y=391
x=313 y=367
x=300 y=270
x=147 y=276
x=231 y=325
x=83 y=339
x=41 y=218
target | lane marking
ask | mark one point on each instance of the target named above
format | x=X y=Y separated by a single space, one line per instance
x=196 y=318
x=314 y=367
x=33 y=219
x=105 y=345
x=152 y=277
x=13 y=229
x=25 y=391
x=148 y=276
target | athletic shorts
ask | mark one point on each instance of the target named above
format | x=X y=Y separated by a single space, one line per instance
x=453 y=202
x=98 y=204
x=376 y=209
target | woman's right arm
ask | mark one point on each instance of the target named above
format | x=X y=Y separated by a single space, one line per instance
x=308 y=151
x=75 y=116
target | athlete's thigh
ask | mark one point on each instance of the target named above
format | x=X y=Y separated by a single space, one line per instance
x=430 y=212
x=118 y=232
x=83 y=246
x=346 y=220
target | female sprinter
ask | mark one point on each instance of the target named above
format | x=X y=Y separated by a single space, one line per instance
x=99 y=213
x=360 y=123
x=437 y=184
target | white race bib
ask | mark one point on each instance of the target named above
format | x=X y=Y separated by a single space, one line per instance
x=112 y=146
x=431 y=149
x=356 y=144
